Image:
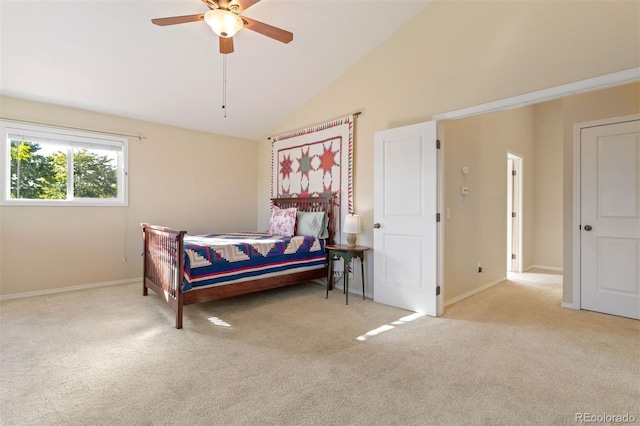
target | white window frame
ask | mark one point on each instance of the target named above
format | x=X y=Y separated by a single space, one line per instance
x=69 y=139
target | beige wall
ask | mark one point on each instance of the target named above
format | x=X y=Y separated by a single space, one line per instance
x=476 y=231
x=458 y=54
x=179 y=178
x=548 y=172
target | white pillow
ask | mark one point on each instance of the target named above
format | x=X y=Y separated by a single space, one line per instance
x=312 y=224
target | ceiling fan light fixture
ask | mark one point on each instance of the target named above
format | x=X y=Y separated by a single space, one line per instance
x=223 y=22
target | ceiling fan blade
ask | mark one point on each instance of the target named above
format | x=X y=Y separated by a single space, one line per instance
x=265 y=29
x=226 y=45
x=178 y=19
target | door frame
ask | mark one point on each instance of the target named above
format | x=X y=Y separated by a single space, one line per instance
x=583 y=86
x=518 y=164
x=577 y=206
x=440 y=224
x=614 y=79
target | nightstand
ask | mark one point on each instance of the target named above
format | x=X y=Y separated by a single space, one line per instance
x=347 y=253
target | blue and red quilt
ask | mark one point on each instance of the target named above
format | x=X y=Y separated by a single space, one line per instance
x=224 y=258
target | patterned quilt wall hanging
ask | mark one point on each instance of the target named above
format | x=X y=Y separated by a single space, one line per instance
x=317 y=161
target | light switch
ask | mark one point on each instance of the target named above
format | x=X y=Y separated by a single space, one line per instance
x=464 y=190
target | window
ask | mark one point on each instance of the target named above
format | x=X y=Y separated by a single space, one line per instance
x=49 y=166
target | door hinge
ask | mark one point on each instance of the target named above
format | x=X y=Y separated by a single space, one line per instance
x=437 y=143
x=513 y=172
x=513 y=214
x=579 y=227
x=437 y=217
x=437 y=290
x=513 y=257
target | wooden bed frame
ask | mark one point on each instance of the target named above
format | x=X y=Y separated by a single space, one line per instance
x=164 y=263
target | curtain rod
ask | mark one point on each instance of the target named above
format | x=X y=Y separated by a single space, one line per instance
x=355 y=114
x=139 y=137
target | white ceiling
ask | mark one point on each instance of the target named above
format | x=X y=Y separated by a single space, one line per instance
x=107 y=56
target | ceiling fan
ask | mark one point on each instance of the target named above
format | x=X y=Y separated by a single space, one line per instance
x=225 y=20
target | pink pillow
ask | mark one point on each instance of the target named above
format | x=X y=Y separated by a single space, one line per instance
x=283 y=221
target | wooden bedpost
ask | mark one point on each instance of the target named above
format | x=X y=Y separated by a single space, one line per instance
x=180 y=278
x=164 y=265
x=145 y=290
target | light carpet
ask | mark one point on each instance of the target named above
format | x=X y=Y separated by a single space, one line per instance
x=509 y=355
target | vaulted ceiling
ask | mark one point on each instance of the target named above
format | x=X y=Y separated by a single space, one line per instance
x=107 y=56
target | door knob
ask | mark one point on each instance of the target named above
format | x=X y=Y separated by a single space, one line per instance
x=376 y=225
x=588 y=228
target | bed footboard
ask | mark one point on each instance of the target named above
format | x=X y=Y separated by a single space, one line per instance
x=163 y=265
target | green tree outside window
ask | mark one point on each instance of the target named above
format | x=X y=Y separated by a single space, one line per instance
x=37 y=176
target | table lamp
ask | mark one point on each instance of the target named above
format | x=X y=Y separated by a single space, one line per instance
x=351 y=228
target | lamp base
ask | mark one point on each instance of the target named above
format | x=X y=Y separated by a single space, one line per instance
x=351 y=239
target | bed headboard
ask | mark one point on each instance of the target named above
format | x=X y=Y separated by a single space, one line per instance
x=311 y=204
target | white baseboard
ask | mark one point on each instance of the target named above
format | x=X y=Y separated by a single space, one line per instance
x=66 y=289
x=549 y=268
x=474 y=291
x=568 y=305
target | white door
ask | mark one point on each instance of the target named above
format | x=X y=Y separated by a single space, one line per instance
x=610 y=219
x=404 y=214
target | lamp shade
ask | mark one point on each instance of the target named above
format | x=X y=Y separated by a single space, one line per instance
x=351 y=224
x=223 y=22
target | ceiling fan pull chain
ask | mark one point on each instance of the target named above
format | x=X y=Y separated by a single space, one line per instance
x=224 y=84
